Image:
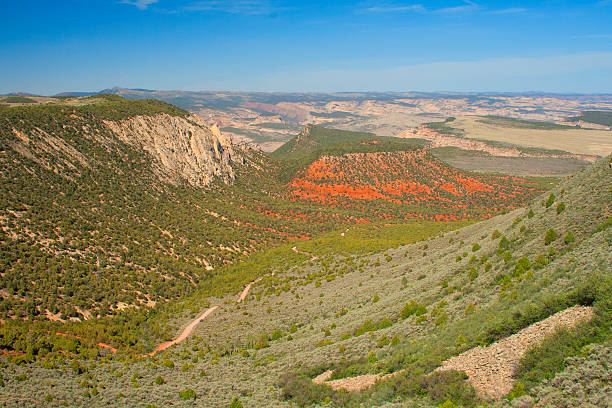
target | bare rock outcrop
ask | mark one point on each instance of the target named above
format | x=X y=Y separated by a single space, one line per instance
x=184 y=148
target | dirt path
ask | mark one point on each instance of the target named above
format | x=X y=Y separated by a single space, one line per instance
x=490 y=369
x=187 y=330
x=246 y=289
x=185 y=333
x=312 y=257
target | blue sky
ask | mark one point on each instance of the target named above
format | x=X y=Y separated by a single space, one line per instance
x=50 y=46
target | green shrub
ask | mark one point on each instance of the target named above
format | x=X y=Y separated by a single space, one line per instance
x=323 y=343
x=475 y=247
x=235 y=403
x=473 y=274
x=302 y=391
x=569 y=237
x=261 y=341
x=530 y=214
x=551 y=235
x=367 y=326
x=594 y=287
x=277 y=334
x=504 y=243
x=540 y=262
x=384 y=323
x=517 y=391
x=604 y=225
x=469 y=309
x=496 y=234
x=450 y=386
x=383 y=341
x=168 y=363
x=159 y=380
x=412 y=308
x=187 y=394
x=551 y=200
x=522 y=266
x=560 y=208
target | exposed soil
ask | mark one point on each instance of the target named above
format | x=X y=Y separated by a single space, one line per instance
x=246 y=289
x=187 y=330
x=413 y=178
x=185 y=333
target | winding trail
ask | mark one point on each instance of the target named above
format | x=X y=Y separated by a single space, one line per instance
x=297 y=251
x=185 y=333
x=246 y=289
x=187 y=330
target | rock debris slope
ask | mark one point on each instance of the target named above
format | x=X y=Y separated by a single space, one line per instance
x=490 y=369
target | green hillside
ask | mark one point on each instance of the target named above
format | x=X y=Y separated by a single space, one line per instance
x=88 y=219
x=319 y=140
x=598 y=117
x=315 y=141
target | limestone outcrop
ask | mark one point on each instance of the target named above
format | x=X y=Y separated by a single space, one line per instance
x=185 y=149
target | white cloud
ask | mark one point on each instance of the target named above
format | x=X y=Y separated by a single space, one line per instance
x=512 y=10
x=467 y=6
x=141 y=4
x=393 y=8
x=233 y=6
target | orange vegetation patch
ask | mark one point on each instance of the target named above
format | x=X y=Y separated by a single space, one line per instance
x=376 y=183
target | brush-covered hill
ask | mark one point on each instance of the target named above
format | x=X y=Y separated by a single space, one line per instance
x=391 y=179
x=603 y=118
x=404 y=310
x=109 y=203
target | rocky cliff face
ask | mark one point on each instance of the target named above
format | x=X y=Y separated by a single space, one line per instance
x=184 y=148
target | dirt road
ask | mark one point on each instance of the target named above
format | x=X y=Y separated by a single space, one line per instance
x=185 y=333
